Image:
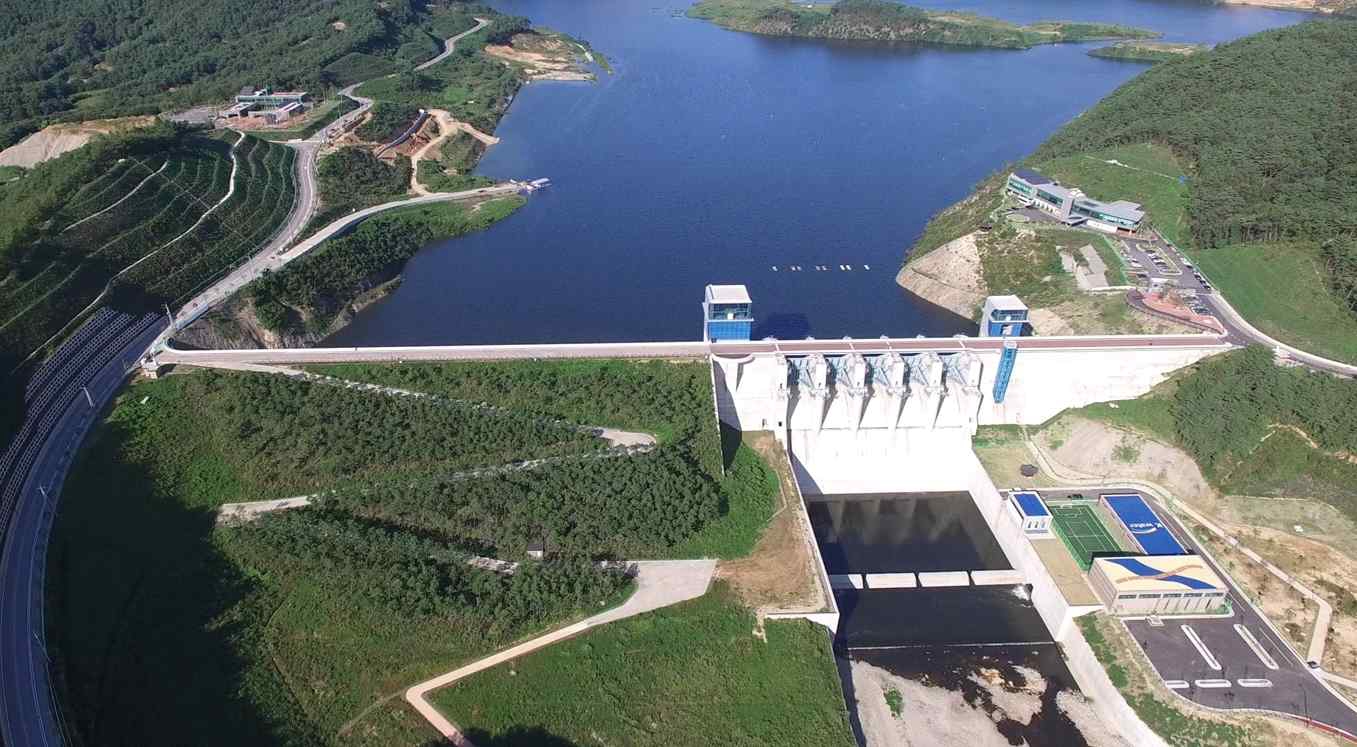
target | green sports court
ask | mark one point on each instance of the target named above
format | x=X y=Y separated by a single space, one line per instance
x=1082 y=532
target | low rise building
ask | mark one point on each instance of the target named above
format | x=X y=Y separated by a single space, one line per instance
x=1033 y=515
x=1071 y=205
x=1157 y=585
x=267 y=106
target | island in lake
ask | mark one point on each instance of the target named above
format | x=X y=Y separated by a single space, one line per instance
x=889 y=21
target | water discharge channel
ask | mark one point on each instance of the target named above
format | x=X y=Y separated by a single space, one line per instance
x=976 y=649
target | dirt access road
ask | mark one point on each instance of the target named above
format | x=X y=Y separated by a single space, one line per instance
x=446 y=127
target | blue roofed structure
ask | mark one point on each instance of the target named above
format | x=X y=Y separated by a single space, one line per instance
x=1143 y=526
x=1031 y=504
x=1031 y=512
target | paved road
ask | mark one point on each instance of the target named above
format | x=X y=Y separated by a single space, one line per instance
x=659 y=583
x=451 y=45
x=675 y=349
x=28 y=714
x=305 y=203
x=1178 y=271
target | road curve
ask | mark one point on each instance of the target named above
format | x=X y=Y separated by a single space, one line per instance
x=451 y=45
x=28 y=710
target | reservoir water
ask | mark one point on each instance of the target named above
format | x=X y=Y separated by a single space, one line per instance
x=717 y=156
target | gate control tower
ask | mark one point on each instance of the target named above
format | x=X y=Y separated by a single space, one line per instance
x=726 y=314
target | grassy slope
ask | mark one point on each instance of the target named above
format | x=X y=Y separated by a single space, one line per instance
x=693 y=674
x=1283 y=290
x=231 y=641
x=1150 y=176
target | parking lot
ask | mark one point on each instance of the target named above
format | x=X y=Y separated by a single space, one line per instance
x=1150 y=261
x=1230 y=662
x=1236 y=661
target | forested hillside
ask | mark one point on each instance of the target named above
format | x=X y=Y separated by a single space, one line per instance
x=1267 y=127
x=891 y=21
x=82 y=59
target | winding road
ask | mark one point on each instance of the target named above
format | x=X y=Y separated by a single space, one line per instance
x=450 y=45
x=276 y=253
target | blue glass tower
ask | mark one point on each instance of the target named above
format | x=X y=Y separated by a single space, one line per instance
x=727 y=314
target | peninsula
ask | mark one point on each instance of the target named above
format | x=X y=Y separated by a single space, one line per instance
x=1147 y=51
x=883 y=20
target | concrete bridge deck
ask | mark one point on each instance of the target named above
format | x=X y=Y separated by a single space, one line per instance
x=681 y=349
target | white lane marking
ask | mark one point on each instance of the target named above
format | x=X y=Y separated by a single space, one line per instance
x=1201 y=647
x=1257 y=647
x=1177 y=684
x=1212 y=684
x=1255 y=682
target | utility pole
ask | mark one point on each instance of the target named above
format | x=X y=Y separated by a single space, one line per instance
x=88 y=398
x=43 y=489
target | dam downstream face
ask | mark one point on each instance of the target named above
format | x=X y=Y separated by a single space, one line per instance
x=714 y=156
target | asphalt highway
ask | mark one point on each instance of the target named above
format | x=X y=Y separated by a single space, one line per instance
x=28 y=713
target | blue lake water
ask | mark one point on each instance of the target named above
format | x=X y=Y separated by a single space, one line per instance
x=714 y=156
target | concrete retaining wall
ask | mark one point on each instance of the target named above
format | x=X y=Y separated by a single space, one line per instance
x=829 y=616
x=878 y=461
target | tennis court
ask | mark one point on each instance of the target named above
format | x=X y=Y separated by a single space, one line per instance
x=1078 y=526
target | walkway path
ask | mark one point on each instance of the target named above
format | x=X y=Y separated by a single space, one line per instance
x=446 y=127
x=695 y=349
x=659 y=583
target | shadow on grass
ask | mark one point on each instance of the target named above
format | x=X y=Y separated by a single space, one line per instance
x=518 y=736
x=730 y=443
x=150 y=625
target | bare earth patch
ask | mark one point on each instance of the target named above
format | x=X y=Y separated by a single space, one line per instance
x=933 y=716
x=780 y=574
x=1091 y=447
x=1325 y=571
x=948 y=276
x=543 y=57
x=53 y=140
